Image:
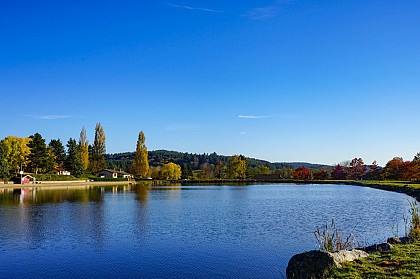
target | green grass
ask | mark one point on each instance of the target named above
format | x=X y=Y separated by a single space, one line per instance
x=402 y=261
x=410 y=184
x=54 y=177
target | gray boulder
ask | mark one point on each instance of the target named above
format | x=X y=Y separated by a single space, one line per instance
x=314 y=263
x=347 y=256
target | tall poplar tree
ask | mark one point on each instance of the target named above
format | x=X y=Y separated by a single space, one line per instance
x=140 y=165
x=83 y=148
x=98 y=149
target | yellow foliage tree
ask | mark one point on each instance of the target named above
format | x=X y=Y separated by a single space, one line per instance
x=16 y=152
x=171 y=171
x=83 y=148
x=236 y=167
x=140 y=165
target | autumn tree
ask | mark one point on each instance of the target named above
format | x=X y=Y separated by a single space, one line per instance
x=140 y=165
x=415 y=167
x=302 y=173
x=219 y=170
x=236 y=167
x=356 y=169
x=171 y=171
x=16 y=152
x=207 y=171
x=97 y=150
x=373 y=172
x=74 y=163
x=4 y=166
x=83 y=149
x=338 y=172
x=397 y=169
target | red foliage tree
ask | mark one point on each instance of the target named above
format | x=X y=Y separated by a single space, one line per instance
x=398 y=169
x=301 y=173
x=338 y=173
x=356 y=169
x=374 y=172
x=415 y=167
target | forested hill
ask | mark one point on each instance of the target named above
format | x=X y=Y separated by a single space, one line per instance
x=160 y=157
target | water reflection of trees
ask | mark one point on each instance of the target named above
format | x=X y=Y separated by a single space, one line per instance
x=36 y=196
x=39 y=218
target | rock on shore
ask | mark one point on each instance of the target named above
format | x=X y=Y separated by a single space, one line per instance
x=312 y=264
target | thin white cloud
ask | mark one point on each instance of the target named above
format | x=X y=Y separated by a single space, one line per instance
x=192 y=8
x=254 y=116
x=52 y=117
x=242 y=133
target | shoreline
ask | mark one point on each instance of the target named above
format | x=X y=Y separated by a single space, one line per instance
x=68 y=184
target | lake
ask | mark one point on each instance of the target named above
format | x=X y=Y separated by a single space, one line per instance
x=182 y=231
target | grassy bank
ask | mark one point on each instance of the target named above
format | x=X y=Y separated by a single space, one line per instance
x=410 y=188
x=402 y=261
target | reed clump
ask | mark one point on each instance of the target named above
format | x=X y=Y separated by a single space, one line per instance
x=414 y=232
x=331 y=239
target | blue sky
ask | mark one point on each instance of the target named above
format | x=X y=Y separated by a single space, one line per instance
x=315 y=81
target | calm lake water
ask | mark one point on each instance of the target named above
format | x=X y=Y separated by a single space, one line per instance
x=182 y=231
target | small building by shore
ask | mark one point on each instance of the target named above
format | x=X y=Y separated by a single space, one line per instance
x=24 y=179
x=114 y=174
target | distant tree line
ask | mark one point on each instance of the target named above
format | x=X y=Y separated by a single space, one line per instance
x=213 y=166
x=207 y=165
x=33 y=155
x=356 y=169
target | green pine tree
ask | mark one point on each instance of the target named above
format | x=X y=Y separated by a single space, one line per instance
x=74 y=163
x=39 y=157
x=59 y=152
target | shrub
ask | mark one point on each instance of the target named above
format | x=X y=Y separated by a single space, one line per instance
x=53 y=177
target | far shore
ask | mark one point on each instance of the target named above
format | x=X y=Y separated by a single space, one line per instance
x=66 y=184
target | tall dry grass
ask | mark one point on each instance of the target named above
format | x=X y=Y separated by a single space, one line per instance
x=331 y=239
